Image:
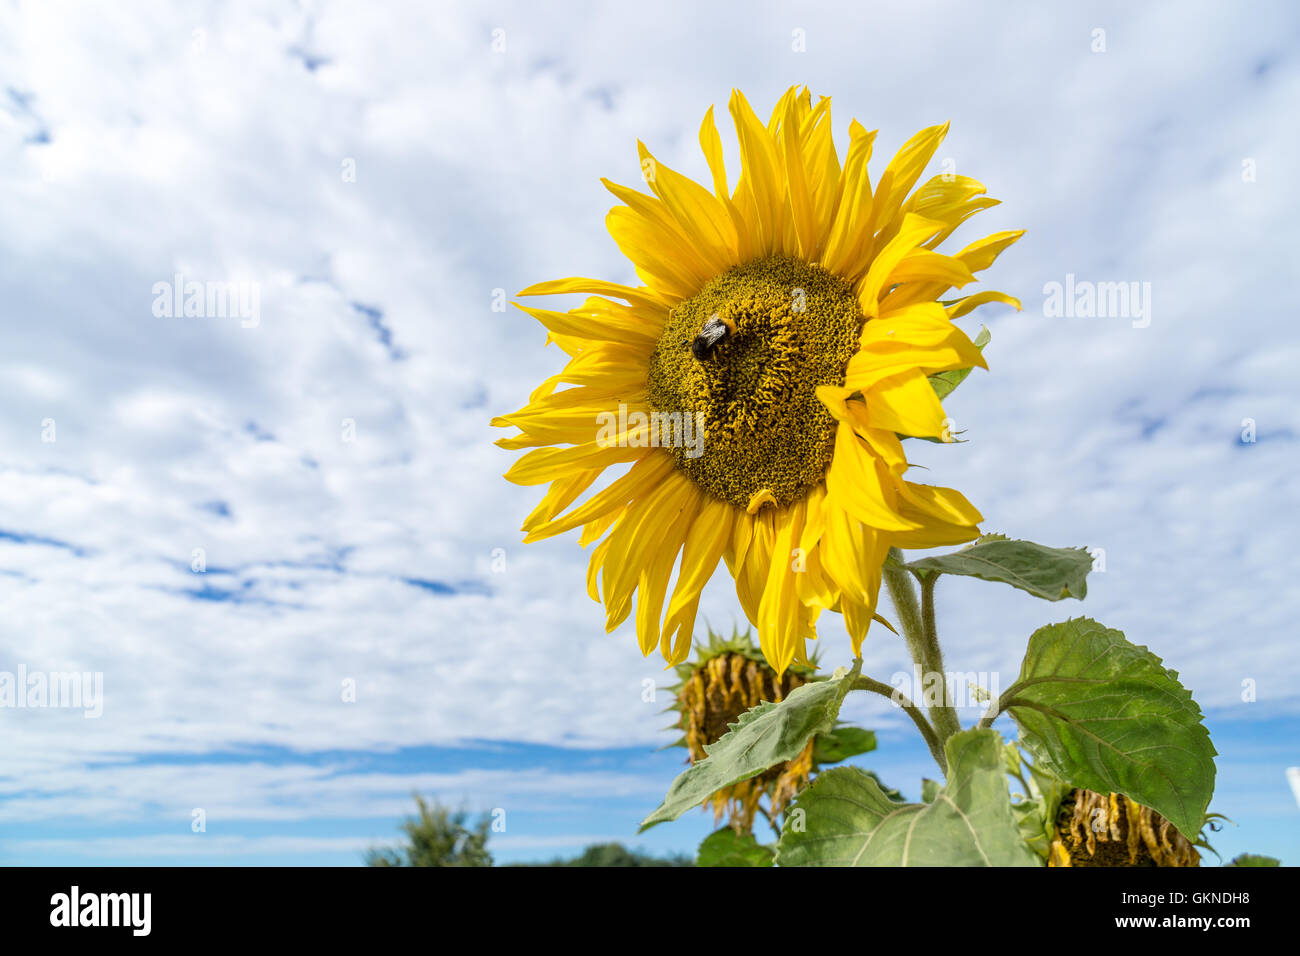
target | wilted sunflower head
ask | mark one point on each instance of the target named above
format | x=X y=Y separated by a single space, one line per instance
x=727 y=677
x=1110 y=829
x=758 y=381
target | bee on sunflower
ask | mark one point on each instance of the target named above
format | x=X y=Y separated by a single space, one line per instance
x=797 y=317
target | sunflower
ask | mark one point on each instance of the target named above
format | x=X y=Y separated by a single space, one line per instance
x=728 y=677
x=1110 y=829
x=758 y=381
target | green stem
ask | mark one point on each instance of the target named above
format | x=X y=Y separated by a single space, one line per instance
x=771 y=822
x=922 y=638
x=996 y=707
x=934 y=653
x=918 y=718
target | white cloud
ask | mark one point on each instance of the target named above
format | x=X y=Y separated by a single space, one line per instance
x=219 y=155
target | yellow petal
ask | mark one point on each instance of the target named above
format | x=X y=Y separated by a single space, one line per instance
x=761 y=190
x=545 y=389
x=814 y=518
x=698 y=213
x=606 y=365
x=919 y=337
x=651 y=522
x=884 y=444
x=754 y=568
x=834 y=398
x=642 y=476
x=852 y=554
x=812 y=585
x=905 y=403
x=823 y=165
x=933 y=530
x=711 y=144
x=568 y=398
x=642 y=296
x=979 y=255
x=593 y=568
x=965 y=304
x=738 y=547
x=660 y=260
x=947 y=504
x=547 y=464
x=858 y=482
x=675 y=644
x=922 y=265
x=596 y=527
x=901 y=175
x=577 y=424
x=597 y=327
x=949 y=199
x=778 y=611
x=778 y=111
x=914 y=231
x=655 y=573
x=800 y=196
x=705 y=543
x=561 y=494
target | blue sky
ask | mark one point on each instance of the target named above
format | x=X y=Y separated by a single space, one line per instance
x=377 y=179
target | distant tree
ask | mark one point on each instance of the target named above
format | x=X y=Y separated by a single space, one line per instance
x=437 y=837
x=616 y=854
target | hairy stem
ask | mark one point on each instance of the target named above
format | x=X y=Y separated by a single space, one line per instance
x=918 y=718
x=922 y=638
x=947 y=723
x=996 y=707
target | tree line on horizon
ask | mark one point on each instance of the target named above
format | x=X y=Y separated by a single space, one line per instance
x=440 y=836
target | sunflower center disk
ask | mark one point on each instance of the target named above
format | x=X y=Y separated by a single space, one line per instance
x=748 y=354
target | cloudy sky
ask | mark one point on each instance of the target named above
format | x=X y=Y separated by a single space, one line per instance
x=284 y=540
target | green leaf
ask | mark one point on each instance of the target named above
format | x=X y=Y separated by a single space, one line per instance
x=1252 y=859
x=895 y=796
x=726 y=847
x=944 y=382
x=1051 y=573
x=841 y=744
x=1036 y=814
x=929 y=789
x=764 y=736
x=1101 y=713
x=1036 y=811
x=844 y=819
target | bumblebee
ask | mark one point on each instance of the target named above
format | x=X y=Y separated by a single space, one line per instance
x=710 y=335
